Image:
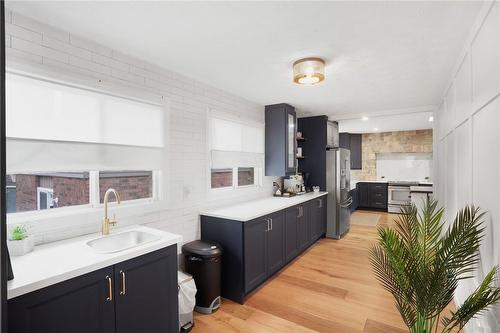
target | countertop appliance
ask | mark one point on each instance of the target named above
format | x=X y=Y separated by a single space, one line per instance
x=398 y=195
x=294 y=184
x=338 y=178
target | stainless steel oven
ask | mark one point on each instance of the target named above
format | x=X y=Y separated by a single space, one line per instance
x=398 y=195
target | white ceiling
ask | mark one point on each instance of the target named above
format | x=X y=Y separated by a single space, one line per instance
x=380 y=55
x=387 y=123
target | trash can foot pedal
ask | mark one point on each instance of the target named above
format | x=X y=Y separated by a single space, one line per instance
x=187 y=327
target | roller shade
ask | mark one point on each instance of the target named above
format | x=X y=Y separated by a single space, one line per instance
x=42 y=110
x=39 y=156
x=229 y=159
x=52 y=127
x=228 y=135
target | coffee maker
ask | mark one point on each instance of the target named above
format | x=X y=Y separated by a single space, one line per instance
x=294 y=184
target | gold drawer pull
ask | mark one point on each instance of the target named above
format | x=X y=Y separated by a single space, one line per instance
x=110 y=289
x=124 y=286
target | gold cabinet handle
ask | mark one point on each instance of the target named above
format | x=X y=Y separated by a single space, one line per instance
x=110 y=289
x=124 y=285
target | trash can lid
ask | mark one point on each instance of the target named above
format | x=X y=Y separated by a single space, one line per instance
x=202 y=248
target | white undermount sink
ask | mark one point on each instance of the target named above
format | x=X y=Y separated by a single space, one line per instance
x=122 y=241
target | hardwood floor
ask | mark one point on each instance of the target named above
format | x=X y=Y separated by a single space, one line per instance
x=329 y=288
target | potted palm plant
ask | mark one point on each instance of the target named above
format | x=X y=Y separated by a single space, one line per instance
x=420 y=264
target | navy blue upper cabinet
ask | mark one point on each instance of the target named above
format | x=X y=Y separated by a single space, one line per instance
x=353 y=142
x=281 y=143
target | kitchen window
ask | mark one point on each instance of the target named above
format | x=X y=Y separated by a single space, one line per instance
x=40 y=191
x=246 y=176
x=27 y=192
x=234 y=177
x=78 y=143
x=131 y=185
x=236 y=152
x=222 y=178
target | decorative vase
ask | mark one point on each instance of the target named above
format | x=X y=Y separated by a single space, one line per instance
x=21 y=247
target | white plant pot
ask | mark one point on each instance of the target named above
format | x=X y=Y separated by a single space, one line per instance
x=21 y=247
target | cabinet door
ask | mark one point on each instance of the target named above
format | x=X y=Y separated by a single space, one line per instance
x=276 y=242
x=303 y=228
x=291 y=240
x=146 y=293
x=291 y=142
x=80 y=305
x=356 y=151
x=313 y=217
x=255 y=252
x=321 y=216
x=344 y=141
x=363 y=194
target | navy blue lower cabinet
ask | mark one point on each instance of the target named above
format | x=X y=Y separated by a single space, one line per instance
x=303 y=229
x=139 y=295
x=146 y=293
x=255 y=250
x=276 y=243
x=292 y=214
x=79 y=305
x=317 y=217
x=255 y=233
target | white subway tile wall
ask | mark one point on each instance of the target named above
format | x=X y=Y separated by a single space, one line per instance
x=53 y=50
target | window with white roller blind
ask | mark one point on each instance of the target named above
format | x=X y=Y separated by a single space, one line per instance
x=236 y=152
x=61 y=139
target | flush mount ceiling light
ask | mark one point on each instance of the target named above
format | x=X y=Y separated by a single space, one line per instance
x=309 y=71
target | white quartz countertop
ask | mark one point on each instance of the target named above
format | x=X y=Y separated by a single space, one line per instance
x=257 y=208
x=55 y=262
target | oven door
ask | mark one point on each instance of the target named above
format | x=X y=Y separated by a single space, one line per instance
x=399 y=195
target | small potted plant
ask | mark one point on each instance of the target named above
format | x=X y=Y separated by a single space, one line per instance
x=20 y=242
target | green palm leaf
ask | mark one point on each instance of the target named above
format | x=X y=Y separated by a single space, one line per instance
x=421 y=266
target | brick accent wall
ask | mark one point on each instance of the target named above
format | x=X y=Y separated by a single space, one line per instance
x=222 y=178
x=419 y=141
x=129 y=188
x=71 y=191
x=26 y=186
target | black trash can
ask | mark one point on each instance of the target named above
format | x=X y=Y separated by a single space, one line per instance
x=203 y=261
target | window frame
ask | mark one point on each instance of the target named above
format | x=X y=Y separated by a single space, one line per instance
x=93 y=205
x=258 y=171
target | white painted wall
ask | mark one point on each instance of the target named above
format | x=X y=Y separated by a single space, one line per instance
x=51 y=52
x=468 y=147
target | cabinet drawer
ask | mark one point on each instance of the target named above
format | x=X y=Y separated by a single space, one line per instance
x=379 y=204
x=378 y=188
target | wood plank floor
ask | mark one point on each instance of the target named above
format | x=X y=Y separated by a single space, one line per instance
x=329 y=288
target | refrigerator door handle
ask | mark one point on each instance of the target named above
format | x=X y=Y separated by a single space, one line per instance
x=347 y=204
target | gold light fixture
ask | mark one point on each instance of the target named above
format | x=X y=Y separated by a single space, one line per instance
x=309 y=71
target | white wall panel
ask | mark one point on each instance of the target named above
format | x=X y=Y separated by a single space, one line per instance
x=485 y=59
x=451 y=177
x=463 y=91
x=449 y=118
x=464 y=164
x=486 y=177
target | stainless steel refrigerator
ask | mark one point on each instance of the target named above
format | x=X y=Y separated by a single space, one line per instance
x=338 y=184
